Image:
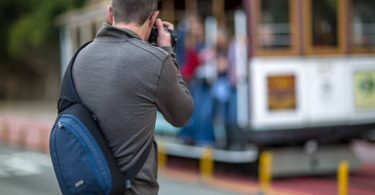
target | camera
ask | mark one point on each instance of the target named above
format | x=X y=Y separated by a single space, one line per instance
x=154 y=36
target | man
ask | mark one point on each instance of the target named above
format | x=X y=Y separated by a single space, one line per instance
x=124 y=81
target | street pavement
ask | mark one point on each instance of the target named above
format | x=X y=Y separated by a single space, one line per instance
x=26 y=173
x=22 y=172
x=31 y=173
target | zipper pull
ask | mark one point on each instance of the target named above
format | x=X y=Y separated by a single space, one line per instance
x=94 y=117
x=60 y=125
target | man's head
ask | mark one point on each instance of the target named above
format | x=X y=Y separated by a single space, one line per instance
x=132 y=11
x=136 y=15
x=139 y=16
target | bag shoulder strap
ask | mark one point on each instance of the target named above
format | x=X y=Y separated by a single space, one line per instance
x=134 y=170
x=69 y=96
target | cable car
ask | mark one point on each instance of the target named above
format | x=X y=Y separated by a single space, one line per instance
x=305 y=68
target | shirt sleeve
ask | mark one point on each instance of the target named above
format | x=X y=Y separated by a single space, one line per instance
x=172 y=95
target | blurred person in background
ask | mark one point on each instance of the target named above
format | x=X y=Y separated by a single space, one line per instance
x=235 y=139
x=224 y=91
x=124 y=81
x=193 y=45
x=184 y=28
x=199 y=130
x=192 y=59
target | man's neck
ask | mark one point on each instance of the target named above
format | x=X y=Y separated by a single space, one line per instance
x=139 y=30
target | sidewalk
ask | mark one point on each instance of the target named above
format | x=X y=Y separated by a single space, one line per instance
x=31 y=173
x=27 y=126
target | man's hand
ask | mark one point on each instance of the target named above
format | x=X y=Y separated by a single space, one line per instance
x=164 y=37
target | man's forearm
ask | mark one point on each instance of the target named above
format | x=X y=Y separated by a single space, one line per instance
x=173 y=97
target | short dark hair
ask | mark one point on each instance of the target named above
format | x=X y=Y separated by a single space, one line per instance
x=137 y=11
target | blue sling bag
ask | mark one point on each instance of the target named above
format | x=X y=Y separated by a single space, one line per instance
x=81 y=157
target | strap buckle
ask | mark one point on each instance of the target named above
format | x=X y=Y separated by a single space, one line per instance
x=128 y=184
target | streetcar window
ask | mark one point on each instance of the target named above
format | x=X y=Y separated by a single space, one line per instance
x=232 y=5
x=179 y=5
x=363 y=24
x=274 y=28
x=205 y=8
x=324 y=23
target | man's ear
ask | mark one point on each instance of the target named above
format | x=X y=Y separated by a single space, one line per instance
x=153 y=18
x=110 y=17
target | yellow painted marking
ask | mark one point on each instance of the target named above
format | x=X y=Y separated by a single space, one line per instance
x=343 y=178
x=162 y=156
x=265 y=171
x=207 y=164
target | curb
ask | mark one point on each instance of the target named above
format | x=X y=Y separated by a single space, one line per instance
x=25 y=133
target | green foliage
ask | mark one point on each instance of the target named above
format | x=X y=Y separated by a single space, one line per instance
x=9 y=12
x=31 y=23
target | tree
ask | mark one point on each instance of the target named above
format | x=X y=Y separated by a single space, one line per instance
x=29 y=42
x=35 y=27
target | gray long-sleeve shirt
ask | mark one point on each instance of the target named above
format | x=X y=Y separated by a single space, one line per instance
x=124 y=81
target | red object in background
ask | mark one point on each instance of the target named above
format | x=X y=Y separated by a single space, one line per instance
x=192 y=62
